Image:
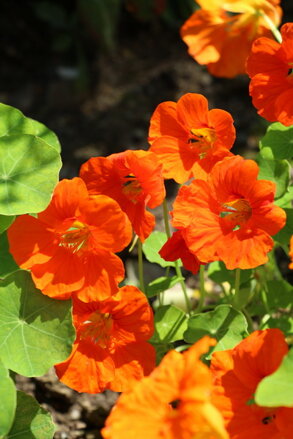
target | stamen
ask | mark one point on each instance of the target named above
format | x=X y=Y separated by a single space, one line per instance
x=75 y=238
x=98 y=328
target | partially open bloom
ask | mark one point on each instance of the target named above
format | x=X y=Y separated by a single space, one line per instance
x=188 y=138
x=237 y=373
x=110 y=350
x=231 y=216
x=270 y=67
x=70 y=246
x=220 y=34
x=132 y=178
x=173 y=402
x=176 y=248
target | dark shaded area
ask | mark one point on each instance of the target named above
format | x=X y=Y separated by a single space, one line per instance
x=97 y=95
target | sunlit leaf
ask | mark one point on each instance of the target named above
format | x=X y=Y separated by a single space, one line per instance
x=161 y=284
x=279 y=139
x=170 y=324
x=153 y=245
x=7 y=400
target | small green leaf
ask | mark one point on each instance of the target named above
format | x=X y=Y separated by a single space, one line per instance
x=7 y=400
x=5 y=222
x=161 y=284
x=31 y=420
x=32 y=324
x=152 y=246
x=279 y=139
x=170 y=324
x=284 y=235
x=276 y=390
x=218 y=272
x=227 y=325
x=277 y=171
x=29 y=170
x=7 y=264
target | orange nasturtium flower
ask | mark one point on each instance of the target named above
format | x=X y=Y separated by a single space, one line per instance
x=70 y=246
x=237 y=373
x=132 y=178
x=110 y=350
x=176 y=248
x=189 y=139
x=231 y=216
x=173 y=402
x=220 y=34
x=270 y=69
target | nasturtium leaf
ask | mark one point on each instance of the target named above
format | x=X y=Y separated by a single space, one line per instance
x=276 y=390
x=170 y=324
x=12 y=122
x=284 y=322
x=218 y=272
x=284 y=235
x=7 y=400
x=286 y=199
x=153 y=245
x=5 y=222
x=227 y=325
x=279 y=139
x=161 y=284
x=31 y=420
x=29 y=170
x=277 y=171
x=35 y=331
x=7 y=264
x=279 y=294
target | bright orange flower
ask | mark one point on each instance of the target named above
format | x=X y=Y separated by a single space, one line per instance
x=173 y=402
x=237 y=373
x=188 y=138
x=132 y=178
x=231 y=216
x=70 y=246
x=220 y=34
x=176 y=248
x=270 y=67
x=110 y=350
x=291 y=253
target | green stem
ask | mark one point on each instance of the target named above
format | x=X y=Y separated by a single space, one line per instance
x=249 y=320
x=140 y=266
x=237 y=282
x=201 y=290
x=275 y=31
x=176 y=263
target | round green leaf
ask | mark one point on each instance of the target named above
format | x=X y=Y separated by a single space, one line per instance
x=170 y=324
x=280 y=140
x=29 y=170
x=31 y=420
x=277 y=171
x=7 y=400
x=153 y=245
x=227 y=325
x=276 y=390
x=35 y=331
x=12 y=122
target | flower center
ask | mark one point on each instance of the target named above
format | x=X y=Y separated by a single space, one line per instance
x=131 y=188
x=202 y=139
x=75 y=238
x=98 y=328
x=238 y=211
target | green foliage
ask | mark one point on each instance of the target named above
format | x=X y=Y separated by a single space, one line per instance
x=218 y=272
x=279 y=294
x=170 y=324
x=276 y=390
x=284 y=235
x=7 y=400
x=152 y=246
x=35 y=331
x=286 y=199
x=7 y=265
x=5 y=222
x=31 y=420
x=227 y=325
x=283 y=321
x=279 y=140
x=161 y=284
x=277 y=171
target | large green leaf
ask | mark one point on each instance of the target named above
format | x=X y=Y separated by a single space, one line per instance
x=170 y=324
x=280 y=141
x=29 y=170
x=31 y=420
x=276 y=390
x=12 y=122
x=7 y=400
x=153 y=245
x=35 y=331
x=227 y=325
x=161 y=284
x=277 y=171
x=7 y=264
